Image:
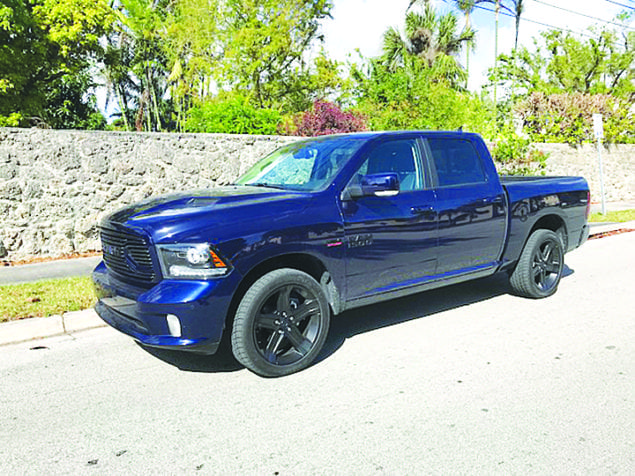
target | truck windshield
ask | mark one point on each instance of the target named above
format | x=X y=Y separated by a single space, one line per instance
x=305 y=165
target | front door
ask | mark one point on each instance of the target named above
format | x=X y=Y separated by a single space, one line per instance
x=391 y=240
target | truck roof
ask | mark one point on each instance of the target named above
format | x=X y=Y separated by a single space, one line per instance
x=373 y=134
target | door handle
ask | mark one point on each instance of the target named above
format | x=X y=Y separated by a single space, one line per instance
x=492 y=201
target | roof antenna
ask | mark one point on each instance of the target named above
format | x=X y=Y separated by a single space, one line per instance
x=460 y=129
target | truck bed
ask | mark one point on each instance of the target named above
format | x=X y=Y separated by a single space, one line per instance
x=529 y=197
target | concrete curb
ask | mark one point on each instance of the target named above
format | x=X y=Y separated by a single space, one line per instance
x=599 y=228
x=69 y=323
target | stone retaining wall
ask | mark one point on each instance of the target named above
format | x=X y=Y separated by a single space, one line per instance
x=55 y=186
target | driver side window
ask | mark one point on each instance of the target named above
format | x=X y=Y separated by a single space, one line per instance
x=398 y=157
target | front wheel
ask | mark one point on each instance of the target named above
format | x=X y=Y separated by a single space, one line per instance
x=540 y=266
x=281 y=323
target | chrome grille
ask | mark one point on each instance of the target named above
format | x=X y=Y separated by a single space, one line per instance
x=127 y=255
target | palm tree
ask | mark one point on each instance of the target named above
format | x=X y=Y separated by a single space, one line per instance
x=518 y=11
x=431 y=38
x=467 y=6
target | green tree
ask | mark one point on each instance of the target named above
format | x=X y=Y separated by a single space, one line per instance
x=409 y=99
x=194 y=51
x=256 y=49
x=142 y=27
x=560 y=62
x=264 y=45
x=54 y=42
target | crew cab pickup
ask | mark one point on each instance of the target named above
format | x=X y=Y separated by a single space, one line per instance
x=324 y=225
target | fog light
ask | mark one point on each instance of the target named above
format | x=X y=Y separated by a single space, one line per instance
x=174 y=325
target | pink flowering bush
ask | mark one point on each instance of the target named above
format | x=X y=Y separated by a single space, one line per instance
x=325 y=118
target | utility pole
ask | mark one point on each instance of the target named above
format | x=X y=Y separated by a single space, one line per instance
x=598 y=130
x=496 y=46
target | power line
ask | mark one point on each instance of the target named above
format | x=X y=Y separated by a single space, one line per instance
x=522 y=18
x=583 y=15
x=632 y=7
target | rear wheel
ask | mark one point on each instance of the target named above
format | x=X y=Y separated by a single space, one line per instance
x=540 y=267
x=281 y=323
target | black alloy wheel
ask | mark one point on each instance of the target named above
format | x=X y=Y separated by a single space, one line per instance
x=540 y=267
x=281 y=323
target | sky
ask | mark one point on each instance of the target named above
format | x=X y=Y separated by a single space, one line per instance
x=359 y=24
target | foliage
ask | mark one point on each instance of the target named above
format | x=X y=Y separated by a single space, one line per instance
x=139 y=45
x=233 y=116
x=45 y=298
x=517 y=156
x=433 y=40
x=69 y=107
x=194 y=52
x=562 y=63
x=76 y=26
x=568 y=118
x=322 y=79
x=264 y=43
x=254 y=48
x=12 y=120
x=52 y=42
x=325 y=118
x=556 y=87
x=409 y=99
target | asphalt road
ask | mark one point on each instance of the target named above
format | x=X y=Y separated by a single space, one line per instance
x=466 y=380
x=48 y=270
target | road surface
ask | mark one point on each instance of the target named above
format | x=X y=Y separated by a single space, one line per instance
x=465 y=380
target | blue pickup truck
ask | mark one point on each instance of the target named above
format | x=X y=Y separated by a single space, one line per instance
x=324 y=225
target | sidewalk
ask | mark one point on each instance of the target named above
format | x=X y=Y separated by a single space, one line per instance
x=69 y=323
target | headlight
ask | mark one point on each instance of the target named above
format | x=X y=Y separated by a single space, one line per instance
x=194 y=261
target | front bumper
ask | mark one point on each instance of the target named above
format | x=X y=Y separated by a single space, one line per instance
x=200 y=306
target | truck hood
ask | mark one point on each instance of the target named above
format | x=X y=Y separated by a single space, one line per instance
x=167 y=216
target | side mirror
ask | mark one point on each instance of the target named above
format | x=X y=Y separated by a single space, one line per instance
x=380 y=185
x=375 y=185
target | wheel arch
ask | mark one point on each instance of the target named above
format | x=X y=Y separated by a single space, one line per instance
x=305 y=262
x=554 y=223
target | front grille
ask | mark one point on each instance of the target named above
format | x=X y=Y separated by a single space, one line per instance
x=127 y=255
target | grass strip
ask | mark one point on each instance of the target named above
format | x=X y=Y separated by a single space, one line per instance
x=613 y=217
x=45 y=298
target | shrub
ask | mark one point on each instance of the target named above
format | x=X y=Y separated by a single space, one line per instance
x=515 y=155
x=325 y=118
x=232 y=116
x=12 y=120
x=414 y=99
x=569 y=117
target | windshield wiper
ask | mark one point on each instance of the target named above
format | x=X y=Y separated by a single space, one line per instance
x=266 y=185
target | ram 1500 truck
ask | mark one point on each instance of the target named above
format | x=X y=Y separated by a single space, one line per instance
x=324 y=225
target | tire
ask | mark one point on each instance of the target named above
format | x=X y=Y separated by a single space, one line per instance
x=281 y=323
x=540 y=267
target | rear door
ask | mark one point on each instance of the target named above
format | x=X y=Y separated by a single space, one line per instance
x=391 y=240
x=471 y=205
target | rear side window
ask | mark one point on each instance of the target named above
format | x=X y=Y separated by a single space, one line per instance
x=456 y=161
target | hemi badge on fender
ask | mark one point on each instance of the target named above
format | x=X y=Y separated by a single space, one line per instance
x=333 y=243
